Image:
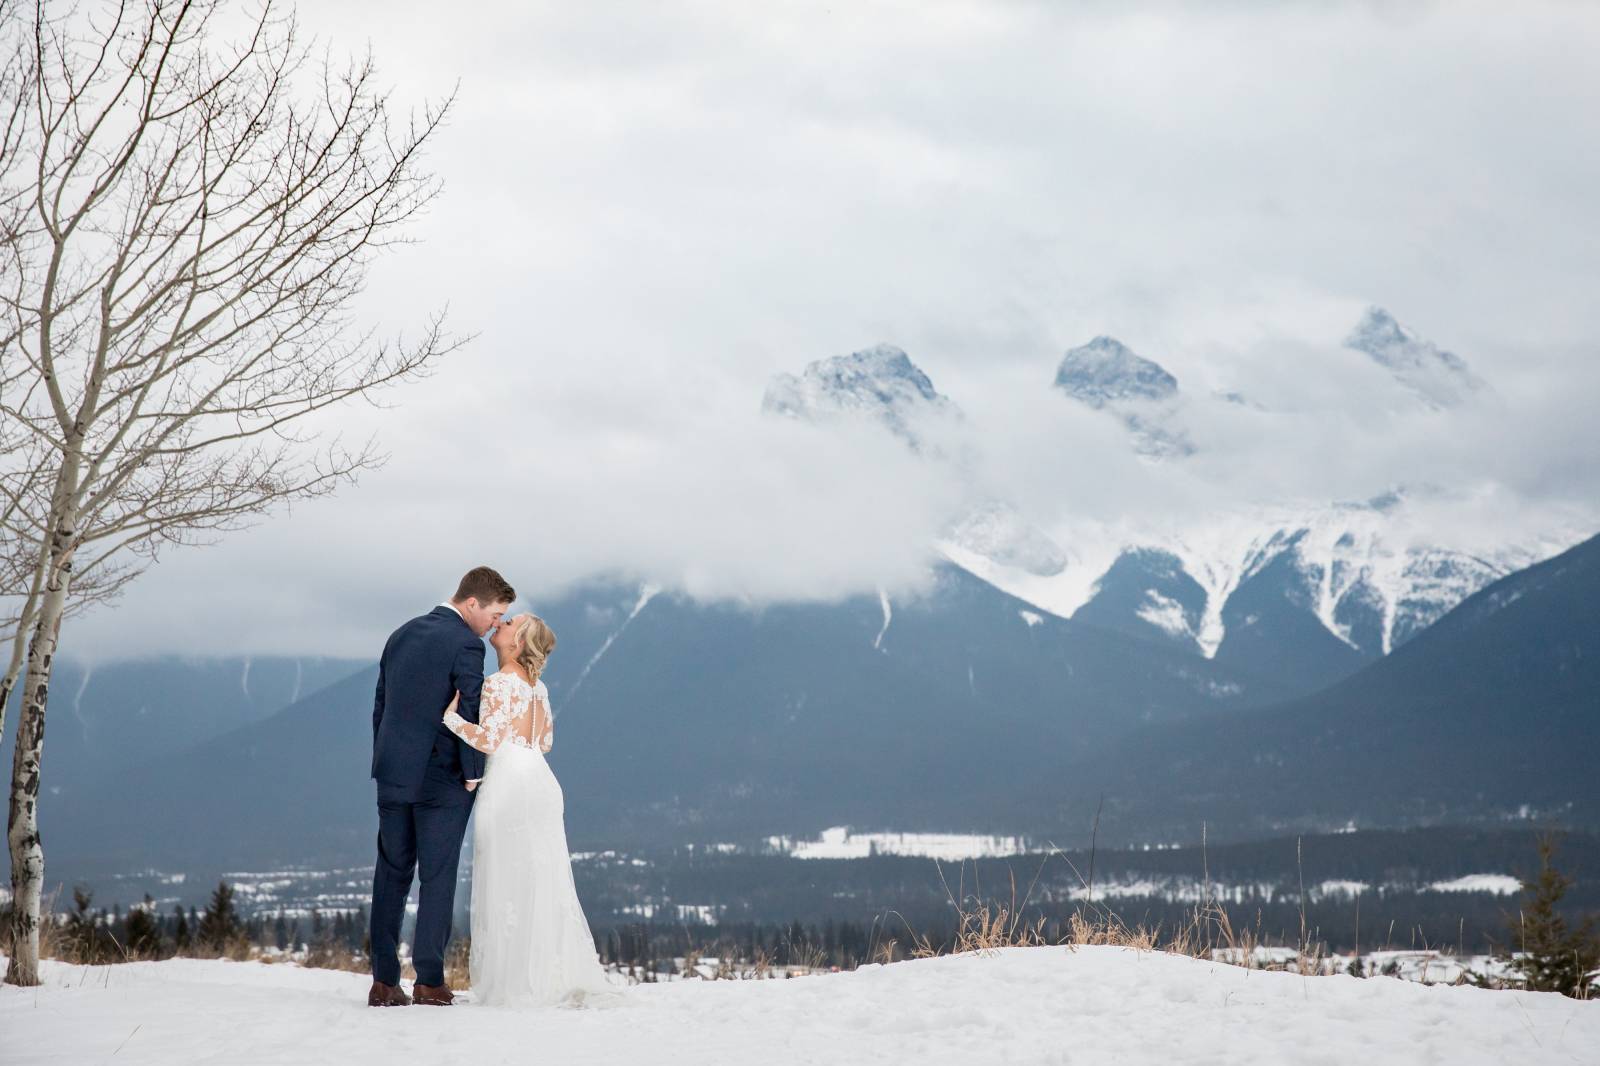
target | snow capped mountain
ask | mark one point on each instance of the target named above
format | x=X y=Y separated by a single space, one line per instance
x=1106 y=375
x=1441 y=378
x=1327 y=586
x=1350 y=568
x=1490 y=713
x=880 y=382
x=1373 y=590
x=1105 y=371
x=883 y=384
x=1433 y=582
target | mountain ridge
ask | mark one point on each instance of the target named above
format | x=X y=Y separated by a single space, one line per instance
x=1355 y=567
x=1492 y=713
x=813 y=715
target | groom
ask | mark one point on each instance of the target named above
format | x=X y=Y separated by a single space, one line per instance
x=426 y=778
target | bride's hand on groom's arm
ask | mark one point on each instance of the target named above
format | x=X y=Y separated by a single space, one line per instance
x=454 y=703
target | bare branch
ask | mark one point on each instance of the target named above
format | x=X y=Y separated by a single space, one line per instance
x=189 y=204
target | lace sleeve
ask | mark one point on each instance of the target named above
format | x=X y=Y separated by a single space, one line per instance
x=494 y=712
x=543 y=720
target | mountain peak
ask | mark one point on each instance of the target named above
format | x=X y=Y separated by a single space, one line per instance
x=1379 y=327
x=1441 y=378
x=1106 y=371
x=881 y=382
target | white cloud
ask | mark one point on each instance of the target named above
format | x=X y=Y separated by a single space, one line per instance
x=651 y=209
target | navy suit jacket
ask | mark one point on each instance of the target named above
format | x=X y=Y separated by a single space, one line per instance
x=425 y=663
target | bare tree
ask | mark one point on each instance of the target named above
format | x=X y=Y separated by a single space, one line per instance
x=19 y=590
x=190 y=201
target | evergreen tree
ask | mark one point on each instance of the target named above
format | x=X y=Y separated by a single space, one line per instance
x=280 y=933
x=81 y=932
x=142 y=936
x=220 y=925
x=319 y=947
x=1551 y=956
x=180 y=933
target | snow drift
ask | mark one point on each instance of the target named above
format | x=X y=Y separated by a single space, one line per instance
x=1020 y=1005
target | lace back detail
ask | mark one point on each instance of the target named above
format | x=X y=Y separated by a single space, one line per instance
x=543 y=720
x=511 y=711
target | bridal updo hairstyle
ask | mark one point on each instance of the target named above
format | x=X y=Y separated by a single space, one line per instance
x=535 y=640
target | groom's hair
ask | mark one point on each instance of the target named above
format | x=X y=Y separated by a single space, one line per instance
x=484 y=585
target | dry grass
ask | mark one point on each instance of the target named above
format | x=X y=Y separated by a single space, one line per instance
x=456 y=960
x=806 y=957
x=1084 y=930
x=330 y=956
x=986 y=925
x=238 y=948
x=51 y=941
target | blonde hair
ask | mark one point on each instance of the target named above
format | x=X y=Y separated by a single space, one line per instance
x=535 y=640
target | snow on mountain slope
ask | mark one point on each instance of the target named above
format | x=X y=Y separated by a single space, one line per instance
x=1354 y=569
x=1019 y=1005
x=1218 y=558
x=647 y=593
x=1362 y=571
x=1060 y=593
x=997 y=531
x=1441 y=378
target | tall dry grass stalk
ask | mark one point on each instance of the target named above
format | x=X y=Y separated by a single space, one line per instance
x=984 y=926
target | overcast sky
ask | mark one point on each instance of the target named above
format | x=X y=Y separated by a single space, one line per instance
x=650 y=209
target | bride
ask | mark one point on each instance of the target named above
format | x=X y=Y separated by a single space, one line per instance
x=531 y=944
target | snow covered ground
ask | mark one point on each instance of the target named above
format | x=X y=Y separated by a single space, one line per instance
x=1027 y=1005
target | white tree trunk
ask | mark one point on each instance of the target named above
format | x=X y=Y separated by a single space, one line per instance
x=22 y=826
x=19 y=643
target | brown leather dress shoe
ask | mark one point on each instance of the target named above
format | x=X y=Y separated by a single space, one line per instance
x=433 y=995
x=382 y=995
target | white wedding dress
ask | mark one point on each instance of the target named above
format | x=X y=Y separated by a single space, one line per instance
x=531 y=944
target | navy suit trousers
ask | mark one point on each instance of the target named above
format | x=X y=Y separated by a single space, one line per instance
x=420 y=836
